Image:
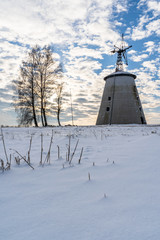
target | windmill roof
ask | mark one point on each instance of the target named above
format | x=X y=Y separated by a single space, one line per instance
x=120 y=73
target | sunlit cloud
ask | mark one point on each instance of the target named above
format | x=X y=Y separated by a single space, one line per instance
x=137 y=57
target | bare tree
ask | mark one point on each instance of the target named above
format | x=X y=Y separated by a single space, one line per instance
x=26 y=97
x=38 y=81
x=49 y=74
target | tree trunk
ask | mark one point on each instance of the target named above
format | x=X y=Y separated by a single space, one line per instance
x=41 y=89
x=45 y=119
x=34 y=113
x=33 y=107
x=58 y=117
x=42 y=117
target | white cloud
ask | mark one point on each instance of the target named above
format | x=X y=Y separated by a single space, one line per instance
x=138 y=58
x=37 y=20
x=84 y=51
x=147 y=24
x=154 y=6
x=150 y=47
x=141 y=30
x=150 y=65
x=65 y=23
x=148 y=88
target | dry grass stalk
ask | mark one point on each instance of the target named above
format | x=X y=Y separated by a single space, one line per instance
x=8 y=166
x=69 y=147
x=2 y=165
x=29 y=160
x=4 y=168
x=74 y=152
x=24 y=158
x=47 y=159
x=41 y=150
x=89 y=176
x=17 y=160
x=58 y=151
x=79 y=161
x=4 y=146
x=10 y=159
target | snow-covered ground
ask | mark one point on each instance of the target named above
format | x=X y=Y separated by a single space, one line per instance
x=121 y=201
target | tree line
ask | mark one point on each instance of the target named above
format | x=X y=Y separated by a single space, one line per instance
x=40 y=77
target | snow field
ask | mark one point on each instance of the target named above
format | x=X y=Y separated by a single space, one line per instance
x=57 y=201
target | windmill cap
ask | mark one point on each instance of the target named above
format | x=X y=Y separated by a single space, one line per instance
x=116 y=74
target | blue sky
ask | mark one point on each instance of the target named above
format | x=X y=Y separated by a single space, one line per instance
x=83 y=33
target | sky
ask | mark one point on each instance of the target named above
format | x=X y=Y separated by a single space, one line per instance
x=83 y=34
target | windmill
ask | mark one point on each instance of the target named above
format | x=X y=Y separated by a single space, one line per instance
x=120 y=101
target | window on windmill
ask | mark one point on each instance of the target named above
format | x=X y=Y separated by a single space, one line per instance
x=109 y=98
x=142 y=120
x=107 y=109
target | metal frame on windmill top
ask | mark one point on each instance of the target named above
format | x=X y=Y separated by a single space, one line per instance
x=121 y=53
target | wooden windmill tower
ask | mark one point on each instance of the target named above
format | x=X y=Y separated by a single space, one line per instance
x=120 y=102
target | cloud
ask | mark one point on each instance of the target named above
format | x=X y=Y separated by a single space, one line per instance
x=154 y=6
x=148 y=24
x=137 y=57
x=148 y=88
x=150 y=47
x=150 y=65
x=62 y=23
